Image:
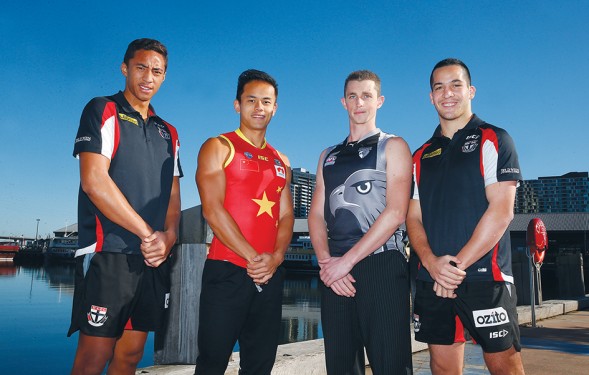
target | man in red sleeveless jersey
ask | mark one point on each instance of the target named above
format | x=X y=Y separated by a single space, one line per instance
x=244 y=187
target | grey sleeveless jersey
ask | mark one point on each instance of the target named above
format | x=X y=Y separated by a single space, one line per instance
x=355 y=192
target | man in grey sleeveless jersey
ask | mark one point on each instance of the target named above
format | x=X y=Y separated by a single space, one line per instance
x=357 y=212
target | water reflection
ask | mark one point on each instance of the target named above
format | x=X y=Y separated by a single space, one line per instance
x=36 y=311
x=7 y=269
x=301 y=314
x=301 y=318
x=61 y=276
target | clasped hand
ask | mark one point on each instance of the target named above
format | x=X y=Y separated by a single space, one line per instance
x=262 y=267
x=447 y=277
x=156 y=247
x=335 y=274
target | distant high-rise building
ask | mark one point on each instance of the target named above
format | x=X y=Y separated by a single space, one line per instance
x=302 y=188
x=566 y=193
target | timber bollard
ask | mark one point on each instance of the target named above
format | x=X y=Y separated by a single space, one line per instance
x=177 y=343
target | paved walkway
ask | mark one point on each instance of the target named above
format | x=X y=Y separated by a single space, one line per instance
x=559 y=344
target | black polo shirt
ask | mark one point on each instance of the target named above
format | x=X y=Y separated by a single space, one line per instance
x=449 y=180
x=143 y=162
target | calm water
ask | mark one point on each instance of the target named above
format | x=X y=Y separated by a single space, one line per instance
x=36 y=305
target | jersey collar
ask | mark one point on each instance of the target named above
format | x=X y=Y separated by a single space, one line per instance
x=366 y=136
x=242 y=136
x=474 y=123
x=120 y=99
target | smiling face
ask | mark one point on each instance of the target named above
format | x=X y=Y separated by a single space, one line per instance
x=256 y=106
x=144 y=74
x=361 y=101
x=452 y=94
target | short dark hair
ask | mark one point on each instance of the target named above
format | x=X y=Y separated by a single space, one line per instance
x=363 y=75
x=448 y=62
x=254 y=75
x=147 y=45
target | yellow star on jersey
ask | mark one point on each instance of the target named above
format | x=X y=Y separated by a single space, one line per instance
x=279 y=189
x=265 y=205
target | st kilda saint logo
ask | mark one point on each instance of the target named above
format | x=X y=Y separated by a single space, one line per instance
x=97 y=316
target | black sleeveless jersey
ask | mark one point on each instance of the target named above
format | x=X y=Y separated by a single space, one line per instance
x=354 y=175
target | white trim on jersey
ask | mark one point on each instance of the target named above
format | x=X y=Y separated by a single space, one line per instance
x=107 y=132
x=176 y=158
x=490 y=157
x=86 y=250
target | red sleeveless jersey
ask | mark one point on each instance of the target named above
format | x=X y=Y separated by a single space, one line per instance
x=255 y=178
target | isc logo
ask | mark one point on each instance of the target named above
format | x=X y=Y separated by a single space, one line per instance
x=490 y=317
x=496 y=335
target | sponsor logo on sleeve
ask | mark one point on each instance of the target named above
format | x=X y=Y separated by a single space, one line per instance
x=248 y=155
x=509 y=170
x=490 y=317
x=83 y=139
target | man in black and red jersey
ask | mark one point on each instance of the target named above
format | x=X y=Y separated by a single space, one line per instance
x=465 y=178
x=244 y=187
x=128 y=216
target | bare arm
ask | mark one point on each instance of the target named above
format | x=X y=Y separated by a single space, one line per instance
x=493 y=223
x=107 y=197
x=398 y=175
x=316 y=219
x=210 y=179
x=318 y=233
x=264 y=265
x=487 y=233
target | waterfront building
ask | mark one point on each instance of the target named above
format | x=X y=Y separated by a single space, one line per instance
x=566 y=259
x=566 y=193
x=302 y=188
x=70 y=230
x=64 y=244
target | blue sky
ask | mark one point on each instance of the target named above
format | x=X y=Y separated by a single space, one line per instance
x=529 y=61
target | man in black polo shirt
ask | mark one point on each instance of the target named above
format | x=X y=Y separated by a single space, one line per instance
x=128 y=216
x=465 y=179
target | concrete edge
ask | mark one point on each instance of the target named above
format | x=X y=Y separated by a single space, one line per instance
x=307 y=357
x=551 y=308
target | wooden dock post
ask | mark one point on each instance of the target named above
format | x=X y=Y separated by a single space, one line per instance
x=177 y=342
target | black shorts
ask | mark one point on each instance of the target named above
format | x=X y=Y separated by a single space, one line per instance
x=487 y=310
x=118 y=292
